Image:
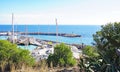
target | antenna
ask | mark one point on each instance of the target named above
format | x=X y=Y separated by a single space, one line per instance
x=12 y=28
x=56 y=30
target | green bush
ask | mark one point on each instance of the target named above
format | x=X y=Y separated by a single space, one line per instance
x=10 y=53
x=62 y=56
x=90 y=51
x=107 y=42
x=89 y=61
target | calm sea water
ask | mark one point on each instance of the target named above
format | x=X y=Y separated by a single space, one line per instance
x=86 y=31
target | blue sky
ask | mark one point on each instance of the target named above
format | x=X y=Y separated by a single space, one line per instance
x=66 y=11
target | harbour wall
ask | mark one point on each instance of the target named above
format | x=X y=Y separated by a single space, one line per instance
x=39 y=33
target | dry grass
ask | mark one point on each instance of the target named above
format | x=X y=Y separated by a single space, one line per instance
x=2 y=65
x=38 y=67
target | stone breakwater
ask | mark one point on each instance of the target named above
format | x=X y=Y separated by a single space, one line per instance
x=51 y=34
x=40 y=33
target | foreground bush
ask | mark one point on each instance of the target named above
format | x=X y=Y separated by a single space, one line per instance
x=10 y=54
x=107 y=42
x=89 y=60
x=62 y=56
x=107 y=45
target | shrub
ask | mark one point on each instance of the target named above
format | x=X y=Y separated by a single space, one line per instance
x=62 y=56
x=11 y=54
x=107 y=42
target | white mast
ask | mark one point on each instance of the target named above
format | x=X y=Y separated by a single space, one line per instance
x=26 y=36
x=38 y=29
x=12 y=28
x=26 y=29
x=56 y=30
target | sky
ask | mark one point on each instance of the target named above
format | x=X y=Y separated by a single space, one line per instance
x=67 y=12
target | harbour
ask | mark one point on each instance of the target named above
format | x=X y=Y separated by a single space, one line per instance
x=85 y=31
x=43 y=48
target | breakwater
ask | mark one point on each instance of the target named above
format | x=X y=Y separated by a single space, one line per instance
x=39 y=33
x=52 y=34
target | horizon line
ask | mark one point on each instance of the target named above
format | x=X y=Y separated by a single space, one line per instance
x=46 y=24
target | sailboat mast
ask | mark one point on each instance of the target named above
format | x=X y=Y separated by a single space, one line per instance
x=56 y=30
x=38 y=30
x=12 y=28
x=26 y=30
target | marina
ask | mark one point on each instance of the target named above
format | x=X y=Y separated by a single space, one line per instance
x=43 y=47
x=40 y=48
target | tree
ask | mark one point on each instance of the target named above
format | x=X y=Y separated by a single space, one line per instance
x=62 y=56
x=11 y=54
x=107 y=42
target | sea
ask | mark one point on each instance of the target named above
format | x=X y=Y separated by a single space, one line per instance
x=86 y=32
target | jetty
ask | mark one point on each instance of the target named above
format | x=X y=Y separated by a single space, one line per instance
x=5 y=33
x=51 y=34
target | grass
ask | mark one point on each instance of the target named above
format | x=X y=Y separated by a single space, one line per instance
x=11 y=67
x=40 y=66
